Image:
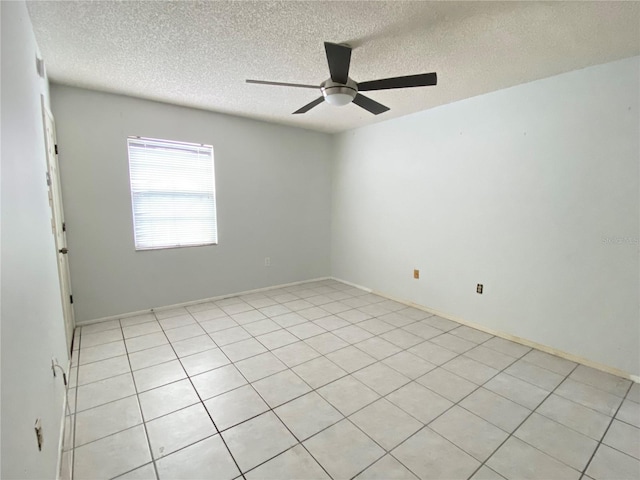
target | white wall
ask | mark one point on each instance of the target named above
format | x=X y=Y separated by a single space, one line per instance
x=273 y=197
x=520 y=190
x=32 y=323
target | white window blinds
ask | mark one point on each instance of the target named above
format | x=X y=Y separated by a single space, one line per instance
x=173 y=193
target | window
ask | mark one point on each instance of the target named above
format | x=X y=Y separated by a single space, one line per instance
x=173 y=193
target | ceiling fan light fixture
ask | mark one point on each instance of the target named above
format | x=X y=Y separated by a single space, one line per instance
x=338 y=94
x=338 y=99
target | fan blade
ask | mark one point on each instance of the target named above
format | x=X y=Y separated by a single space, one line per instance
x=338 y=58
x=370 y=105
x=421 y=80
x=281 y=84
x=309 y=106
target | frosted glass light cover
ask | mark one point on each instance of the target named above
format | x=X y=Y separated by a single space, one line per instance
x=339 y=99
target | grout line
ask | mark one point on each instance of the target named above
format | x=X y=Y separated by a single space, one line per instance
x=272 y=410
x=134 y=469
x=376 y=360
x=144 y=424
x=205 y=409
x=519 y=425
x=604 y=434
x=362 y=407
x=478 y=387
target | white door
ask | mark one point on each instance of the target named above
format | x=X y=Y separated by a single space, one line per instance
x=57 y=222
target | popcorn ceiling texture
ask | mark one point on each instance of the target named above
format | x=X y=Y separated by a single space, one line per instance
x=199 y=54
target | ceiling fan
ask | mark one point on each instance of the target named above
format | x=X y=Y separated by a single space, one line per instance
x=340 y=90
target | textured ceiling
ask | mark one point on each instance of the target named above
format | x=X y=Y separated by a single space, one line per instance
x=199 y=54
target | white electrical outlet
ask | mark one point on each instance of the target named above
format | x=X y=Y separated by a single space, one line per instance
x=267 y=261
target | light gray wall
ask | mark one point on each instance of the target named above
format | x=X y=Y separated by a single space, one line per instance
x=532 y=191
x=32 y=322
x=273 y=197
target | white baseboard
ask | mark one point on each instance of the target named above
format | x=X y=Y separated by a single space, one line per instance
x=195 y=302
x=507 y=336
x=65 y=403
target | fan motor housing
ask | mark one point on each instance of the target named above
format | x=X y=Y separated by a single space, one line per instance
x=339 y=93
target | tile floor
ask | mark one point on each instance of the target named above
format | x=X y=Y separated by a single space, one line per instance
x=322 y=380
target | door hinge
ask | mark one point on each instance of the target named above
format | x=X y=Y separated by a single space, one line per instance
x=71 y=298
x=64 y=226
x=56 y=148
x=48 y=180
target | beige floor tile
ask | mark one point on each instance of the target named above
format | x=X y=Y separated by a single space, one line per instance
x=381 y=378
x=178 y=429
x=589 y=396
x=558 y=441
x=96 y=371
x=215 y=382
x=319 y=372
x=419 y=402
x=408 y=364
x=517 y=390
x=469 y=432
x=294 y=463
x=106 y=420
x=402 y=338
x=385 y=423
x=243 y=349
x=609 y=463
x=503 y=413
x=146 y=472
x=193 y=345
x=387 y=468
x=507 y=347
x=277 y=339
x=343 y=450
x=575 y=416
x=490 y=357
x=199 y=461
x=471 y=334
x=204 y=361
x=540 y=377
x=348 y=395
x=351 y=358
x=101 y=352
x=431 y=456
x=112 y=456
x=235 y=407
x=167 y=399
x=471 y=370
x=144 y=342
x=104 y=391
x=629 y=412
x=447 y=384
x=558 y=365
x=295 y=353
x=258 y=440
x=516 y=459
x=260 y=366
x=307 y=415
x=158 y=375
x=432 y=353
x=326 y=343
x=623 y=437
x=281 y=387
x=601 y=380
x=152 y=356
